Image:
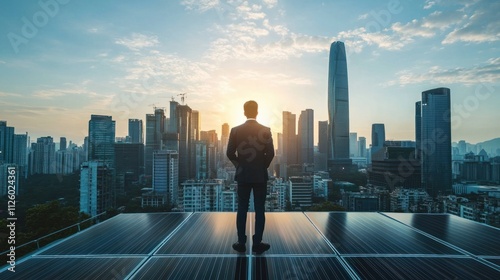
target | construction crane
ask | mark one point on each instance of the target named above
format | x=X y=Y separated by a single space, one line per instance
x=183 y=97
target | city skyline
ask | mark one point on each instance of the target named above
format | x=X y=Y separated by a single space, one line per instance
x=60 y=62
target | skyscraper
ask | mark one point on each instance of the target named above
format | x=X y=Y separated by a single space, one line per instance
x=6 y=142
x=418 y=129
x=155 y=127
x=378 y=139
x=166 y=174
x=305 y=137
x=135 y=131
x=62 y=144
x=353 y=144
x=20 y=156
x=195 y=125
x=102 y=139
x=338 y=109
x=289 y=139
x=323 y=137
x=96 y=187
x=362 y=146
x=436 y=141
x=185 y=137
x=43 y=156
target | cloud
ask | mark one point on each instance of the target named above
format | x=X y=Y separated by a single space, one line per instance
x=71 y=89
x=488 y=72
x=276 y=78
x=138 y=41
x=200 y=5
x=270 y=3
x=482 y=26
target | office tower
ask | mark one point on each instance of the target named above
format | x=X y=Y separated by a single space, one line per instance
x=62 y=143
x=195 y=125
x=418 y=129
x=323 y=137
x=20 y=156
x=155 y=128
x=96 y=187
x=305 y=137
x=6 y=142
x=185 y=137
x=135 y=131
x=289 y=139
x=166 y=174
x=378 y=139
x=129 y=158
x=43 y=157
x=101 y=139
x=353 y=144
x=172 y=128
x=436 y=141
x=338 y=111
x=362 y=146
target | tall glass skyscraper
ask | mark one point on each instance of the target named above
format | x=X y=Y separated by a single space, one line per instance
x=102 y=139
x=378 y=139
x=338 y=109
x=305 y=137
x=436 y=141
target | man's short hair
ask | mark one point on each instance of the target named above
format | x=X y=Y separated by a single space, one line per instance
x=251 y=109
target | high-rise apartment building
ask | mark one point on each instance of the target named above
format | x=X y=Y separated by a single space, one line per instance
x=338 y=110
x=436 y=141
x=62 y=144
x=43 y=156
x=96 y=187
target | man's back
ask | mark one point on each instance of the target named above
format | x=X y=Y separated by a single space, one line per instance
x=251 y=150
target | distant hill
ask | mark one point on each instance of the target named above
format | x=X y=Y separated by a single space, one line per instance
x=489 y=146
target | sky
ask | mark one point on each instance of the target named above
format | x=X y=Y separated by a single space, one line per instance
x=63 y=60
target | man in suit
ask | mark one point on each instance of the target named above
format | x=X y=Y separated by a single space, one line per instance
x=250 y=148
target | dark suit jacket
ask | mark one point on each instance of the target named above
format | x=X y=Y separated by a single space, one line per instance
x=250 y=149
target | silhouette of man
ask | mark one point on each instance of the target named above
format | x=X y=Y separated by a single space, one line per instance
x=250 y=148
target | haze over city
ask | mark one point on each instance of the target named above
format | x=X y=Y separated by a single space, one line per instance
x=61 y=61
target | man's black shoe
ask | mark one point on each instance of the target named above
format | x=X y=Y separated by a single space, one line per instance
x=260 y=248
x=239 y=247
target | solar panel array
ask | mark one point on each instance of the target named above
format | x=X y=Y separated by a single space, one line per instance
x=310 y=245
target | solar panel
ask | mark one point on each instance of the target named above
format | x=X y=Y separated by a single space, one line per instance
x=372 y=233
x=123 y=234
x=473 y=237
x=312 y=245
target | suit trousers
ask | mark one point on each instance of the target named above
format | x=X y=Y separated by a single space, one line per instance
x=259 y=199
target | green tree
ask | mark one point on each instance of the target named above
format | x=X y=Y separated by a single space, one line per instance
x=49 y=217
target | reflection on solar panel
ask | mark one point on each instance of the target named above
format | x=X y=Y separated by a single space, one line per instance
x=311 y=245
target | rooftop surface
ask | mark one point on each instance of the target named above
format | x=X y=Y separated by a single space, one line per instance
x=309 y=245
